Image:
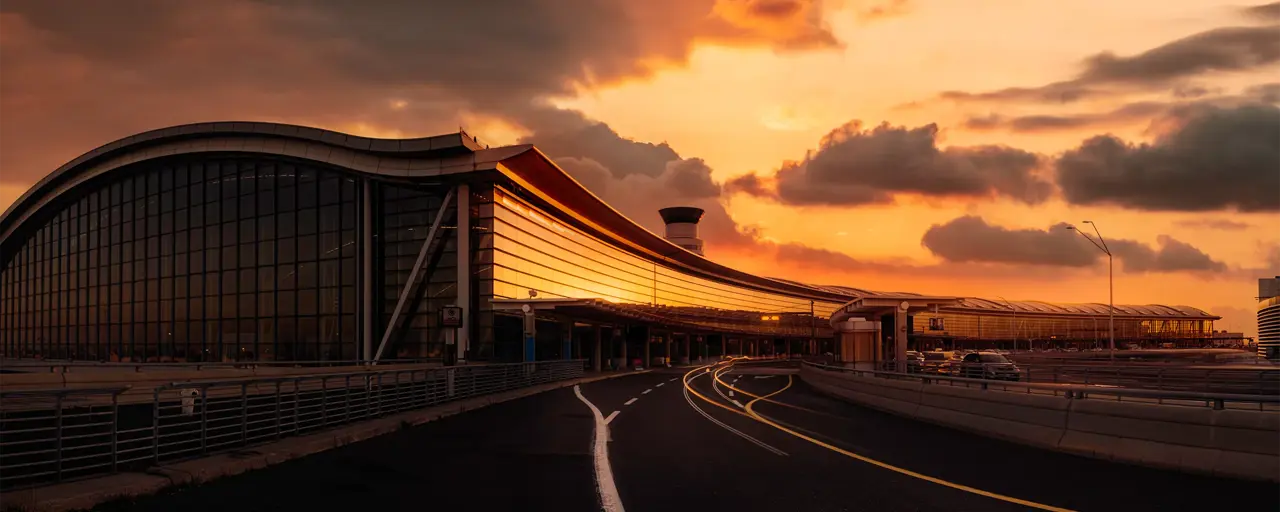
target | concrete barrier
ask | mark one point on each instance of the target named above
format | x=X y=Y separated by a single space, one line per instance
x=1232 y=443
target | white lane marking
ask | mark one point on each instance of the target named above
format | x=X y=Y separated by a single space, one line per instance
x=758 y=377
x=610 y=418
x=609 y=499
x=737 y=403
x=673 y=379
x=704 y=414
x=730 y=393
x=645 y=392
x=660 y=384
x=631 y=401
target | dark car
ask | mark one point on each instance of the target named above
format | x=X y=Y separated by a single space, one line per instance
x=936 y=363
x=988 y=365
x=915 y=362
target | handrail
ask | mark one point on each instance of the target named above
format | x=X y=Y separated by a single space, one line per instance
x=60 y=434
x=138 y=366
x=114 y=390
x=1072 y=390
x=303 y=376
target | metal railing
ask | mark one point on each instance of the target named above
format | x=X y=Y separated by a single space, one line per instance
x=55 y=366
x=1201 y=378
x=72 y=433
x=1215 y=400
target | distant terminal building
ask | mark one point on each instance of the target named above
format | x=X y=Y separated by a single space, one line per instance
x=1269 y=317
x=269 y=242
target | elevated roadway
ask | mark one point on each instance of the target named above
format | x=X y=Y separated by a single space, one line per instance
x=700 y=439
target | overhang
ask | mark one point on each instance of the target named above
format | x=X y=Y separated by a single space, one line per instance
x=683 y=320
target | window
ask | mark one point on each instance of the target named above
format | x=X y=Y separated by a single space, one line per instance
x=181 y=259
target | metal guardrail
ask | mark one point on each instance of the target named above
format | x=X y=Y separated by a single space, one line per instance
x=1201 y=378
x=1080 y=391
x=53 y=366
x=85 y=432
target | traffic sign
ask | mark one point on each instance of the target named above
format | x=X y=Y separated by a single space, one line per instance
x=451 y=316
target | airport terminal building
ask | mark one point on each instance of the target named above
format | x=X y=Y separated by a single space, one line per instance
x=271 y=242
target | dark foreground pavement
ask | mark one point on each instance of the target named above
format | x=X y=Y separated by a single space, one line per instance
x=535 y=454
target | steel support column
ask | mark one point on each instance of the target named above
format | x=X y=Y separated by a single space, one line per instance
x=367 y=297
x=595 y=351
x=463 y=283
x=413 y=274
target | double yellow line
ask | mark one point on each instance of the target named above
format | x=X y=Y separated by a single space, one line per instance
x=750 y=413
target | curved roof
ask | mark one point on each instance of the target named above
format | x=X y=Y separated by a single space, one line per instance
x=440 y=157
x=1091 y=308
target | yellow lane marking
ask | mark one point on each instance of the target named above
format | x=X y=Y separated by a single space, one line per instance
x=705 y=399
x=887 y=466
x=752 y=395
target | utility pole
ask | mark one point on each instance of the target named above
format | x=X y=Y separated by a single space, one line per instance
x=1111 y=288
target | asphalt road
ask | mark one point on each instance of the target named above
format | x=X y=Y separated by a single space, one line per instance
x=673 y=450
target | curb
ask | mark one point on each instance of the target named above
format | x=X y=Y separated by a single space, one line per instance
x=86 y=494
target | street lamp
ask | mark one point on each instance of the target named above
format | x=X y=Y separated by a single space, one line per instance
x=1101 y=244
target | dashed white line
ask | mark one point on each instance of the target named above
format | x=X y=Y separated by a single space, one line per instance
x=609 y=419
x=737 y=403
x=609 y=499
x=660 y=384
x=631 y=401
x=645 y=392
x=673 y=379
x=730 y=392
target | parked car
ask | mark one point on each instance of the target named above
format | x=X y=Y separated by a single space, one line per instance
x=936 y=363
x=988 y=365
x=915 y=362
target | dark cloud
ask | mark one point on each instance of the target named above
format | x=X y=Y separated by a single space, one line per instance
x=1171 y=256
x=1269 y=12
x=400 y=69
x=1218 y=50
x=971 y=239
x=749 y=183
x=683 y=182
x=1216 y=224
x=804 y=256
x=854 y=166
x=1213 y=158
x=1264 y=93
x=568 y=134
x=1042 y=123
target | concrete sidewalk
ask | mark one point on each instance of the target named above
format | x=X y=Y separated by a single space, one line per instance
x=85 y=494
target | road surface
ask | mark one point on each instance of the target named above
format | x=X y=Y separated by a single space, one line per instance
x=680 y=441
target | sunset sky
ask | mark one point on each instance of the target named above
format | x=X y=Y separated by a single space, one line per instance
x=933 y=146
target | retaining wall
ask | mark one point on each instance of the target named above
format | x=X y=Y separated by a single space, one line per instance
x=1234 y=443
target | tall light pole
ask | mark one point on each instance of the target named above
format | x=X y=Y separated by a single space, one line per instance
x=1101 y=244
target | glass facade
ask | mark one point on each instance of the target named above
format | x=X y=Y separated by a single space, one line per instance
x=533 y=251
x=1007 y=327
x=1269 y=328
x=182 y=259
x=405 y=214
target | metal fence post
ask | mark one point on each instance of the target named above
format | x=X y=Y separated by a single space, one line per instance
x=324 y=401
x=155 y=427
x=297 y=427
x=204 y=419
x=244 y=414
x=115 y=428
x=277 y=409
x=58 y=440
